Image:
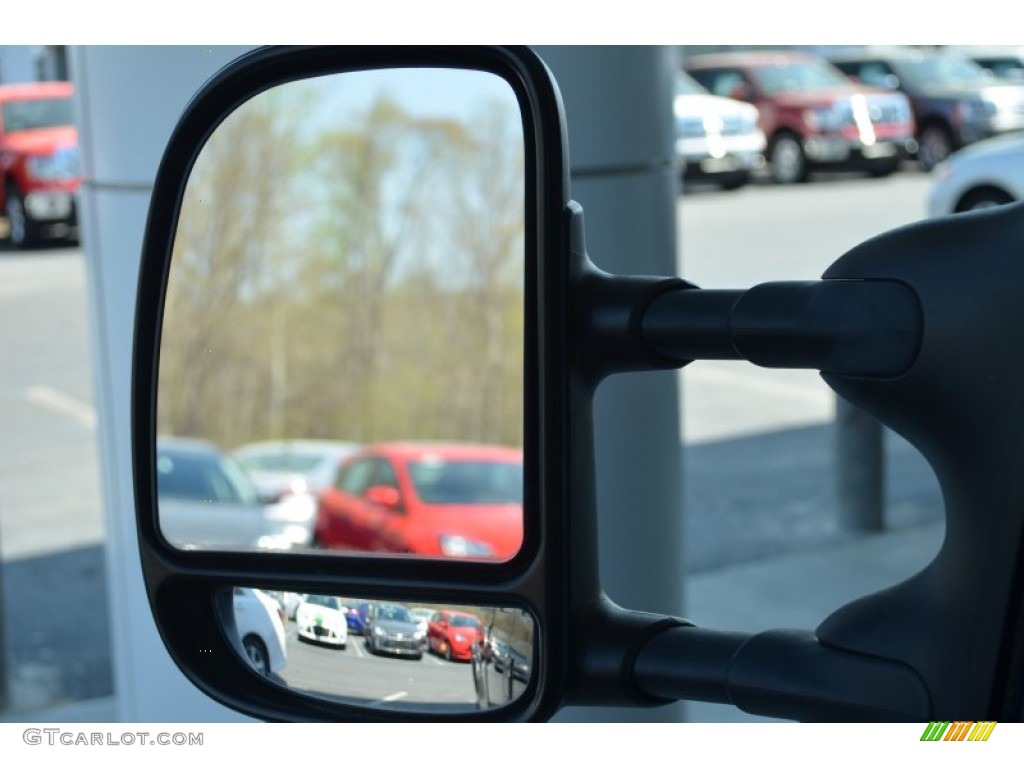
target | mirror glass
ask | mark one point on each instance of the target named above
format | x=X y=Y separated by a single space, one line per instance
x=414 y=657
x=341 y=361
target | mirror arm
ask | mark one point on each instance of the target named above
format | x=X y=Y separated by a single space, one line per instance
x=607 y=640
x=845 y=327
x=780 y=673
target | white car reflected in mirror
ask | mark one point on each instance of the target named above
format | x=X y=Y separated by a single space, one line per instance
x=260 y=632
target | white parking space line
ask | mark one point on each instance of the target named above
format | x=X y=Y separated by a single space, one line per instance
x=355 y=647
x=388 y=699
x=50 y=398
x=433 y=659
x=723 y=400
x=815 y=396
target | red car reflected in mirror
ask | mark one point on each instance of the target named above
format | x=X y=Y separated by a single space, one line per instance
x=429 y=499
x=452 y=634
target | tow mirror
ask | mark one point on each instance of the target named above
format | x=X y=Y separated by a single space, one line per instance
x=369 y=207
x=353 y=244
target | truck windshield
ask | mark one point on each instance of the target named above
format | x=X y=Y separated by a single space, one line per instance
x=30 y=114
x=799 y=77
x=940 y=70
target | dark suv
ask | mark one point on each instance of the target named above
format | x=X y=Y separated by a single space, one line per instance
x=954 y=102
x=811 y=114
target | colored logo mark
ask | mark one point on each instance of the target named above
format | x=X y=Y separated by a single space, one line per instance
x=958 y=731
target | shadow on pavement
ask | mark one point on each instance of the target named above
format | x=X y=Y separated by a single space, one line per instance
x=774 y=493
x=56 y=628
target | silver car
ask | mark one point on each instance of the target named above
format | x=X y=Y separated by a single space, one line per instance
x=206 y=501
x=289 y=475
x=391 y=629
x=982 y=175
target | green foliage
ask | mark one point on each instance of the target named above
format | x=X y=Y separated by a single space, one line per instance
x=361 y=281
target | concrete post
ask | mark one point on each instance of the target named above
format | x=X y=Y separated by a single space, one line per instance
x=621 y=136
x=129 y=99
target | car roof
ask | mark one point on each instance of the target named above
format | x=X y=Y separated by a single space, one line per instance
x=284 y=446
x=462 y=613
x=890 y=53
x=20 y=91
x=445 y=450
x=185 y=445
x=746 y=59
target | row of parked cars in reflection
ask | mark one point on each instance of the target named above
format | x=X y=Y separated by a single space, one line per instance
x=387 y=628
x=428 y=499
x=864 y=108
x=499 y=652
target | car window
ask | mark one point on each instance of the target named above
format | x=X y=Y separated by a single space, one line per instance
x=203 y=477
x=467 y=482
x=30 y=114
x=384 y=473
x=299 y=463
x=325 y=601
x=356 y=477
x=875 y=73
x=940 y=70
x=788 y=76
x=393 y=613
x=722 y=82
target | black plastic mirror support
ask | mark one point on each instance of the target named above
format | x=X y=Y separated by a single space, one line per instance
x=844 y=327
x=920 y=327
x=962 y=405
x=943 y=644
x=782 y=673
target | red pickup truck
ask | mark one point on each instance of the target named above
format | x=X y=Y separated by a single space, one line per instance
x=39 y=162
x=811 y=114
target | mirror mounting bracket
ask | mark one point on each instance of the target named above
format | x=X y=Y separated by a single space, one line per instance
x=780 y=673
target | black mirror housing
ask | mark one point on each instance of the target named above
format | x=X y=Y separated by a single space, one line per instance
x=187 y=588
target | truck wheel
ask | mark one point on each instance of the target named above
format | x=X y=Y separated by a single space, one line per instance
x=985 y=197
x=256 y=654
x=788 y=163
x=22 y=230
x=934 y=144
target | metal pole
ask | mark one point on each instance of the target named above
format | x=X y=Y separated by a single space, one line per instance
x=860 y=469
